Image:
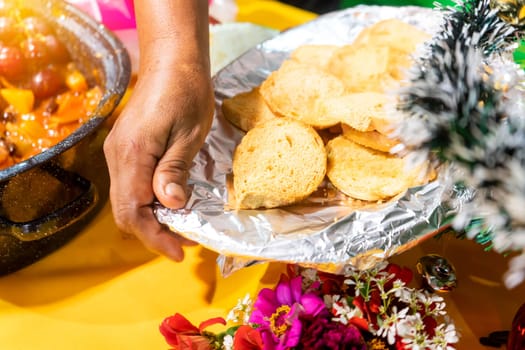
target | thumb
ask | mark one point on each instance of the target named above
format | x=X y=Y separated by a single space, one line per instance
x=171 y=176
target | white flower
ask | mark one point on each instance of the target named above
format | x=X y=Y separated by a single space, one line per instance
x=412 y=330
x=405 y=294
x=433 y=305
x=241 y=311
x=357 y=283
x=410 y=326
x=413 y=299
x=444 y=337
x=451 y=335
x=388 y=326
x=227 y=342
x=309 y=276
x=418 y=342
x=340 y=309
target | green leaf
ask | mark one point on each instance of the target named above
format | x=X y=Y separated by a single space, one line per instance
x=519 y=54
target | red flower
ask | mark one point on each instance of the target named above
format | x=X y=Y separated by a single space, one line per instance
x=293 y=270
x=400 y=345
x=401 y=273
x=183 y=335
x=375 y=302
x=430 y=325
x=247 y=338
x=331 y=283
x=370 y=308
x=359 y=323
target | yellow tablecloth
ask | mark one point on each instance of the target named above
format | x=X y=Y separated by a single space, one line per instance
x=105 y=291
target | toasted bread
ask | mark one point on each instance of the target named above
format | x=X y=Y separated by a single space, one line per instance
x=293 y=89
x=362 y=67
x=247 y=109
x=393 y=33
x=387 y=122
x=362 y=173
x=355 y=109
x=401 y=38
x=277 y=163
x=314 y=55
x=337 y=92
x=371 y=139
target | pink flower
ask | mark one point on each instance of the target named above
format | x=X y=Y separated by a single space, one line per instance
x=279 y=312
x=183 y=335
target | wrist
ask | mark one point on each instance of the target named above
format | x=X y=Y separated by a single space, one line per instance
x=183 y=79
x=174 y=71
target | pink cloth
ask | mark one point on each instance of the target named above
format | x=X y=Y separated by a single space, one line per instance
x=114 y=14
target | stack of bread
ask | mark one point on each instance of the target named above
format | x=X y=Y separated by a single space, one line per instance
x=323 y=115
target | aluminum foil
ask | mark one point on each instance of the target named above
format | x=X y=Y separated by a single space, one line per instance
x=327 y=232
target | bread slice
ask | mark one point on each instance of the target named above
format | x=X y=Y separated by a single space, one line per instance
x=386 y=123
x=362 y=67
x=278 y=162
x=362 y=173
x=356 y=109
x=401 y=38
x=316 y=55
x=394 y=33
x=293 y=89
x=371 y=139
x=247 y=109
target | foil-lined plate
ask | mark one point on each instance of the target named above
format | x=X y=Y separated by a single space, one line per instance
x=325 y=232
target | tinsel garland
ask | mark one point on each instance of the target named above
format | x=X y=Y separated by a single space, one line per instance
x=479 y=24
x=464 y=106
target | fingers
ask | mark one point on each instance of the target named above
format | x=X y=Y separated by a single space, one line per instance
x=138 y=219
x=149 y=152
x=131 y=163
x=156 y=238
x=170 y=179
x=172 y=172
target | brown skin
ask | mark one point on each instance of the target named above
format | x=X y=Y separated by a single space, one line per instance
x=162 y=127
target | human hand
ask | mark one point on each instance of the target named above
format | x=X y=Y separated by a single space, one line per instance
x=150 y=149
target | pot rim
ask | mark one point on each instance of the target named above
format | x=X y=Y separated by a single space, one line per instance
x=114 y=87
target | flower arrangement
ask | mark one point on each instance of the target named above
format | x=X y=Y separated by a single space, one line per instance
x=374 y=309
x=464 y=107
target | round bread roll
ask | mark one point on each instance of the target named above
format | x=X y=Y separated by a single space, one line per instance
x=401 y=38
x=246 y=109
x=394 y=33
x=362 y=68
x=371 y=139
x=293 y=90
x=358 y=109
x=277 y=163
x=366 y=174
x=317 y=55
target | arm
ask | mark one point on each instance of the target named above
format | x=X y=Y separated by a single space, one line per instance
x=173 y=35
x=162 y=127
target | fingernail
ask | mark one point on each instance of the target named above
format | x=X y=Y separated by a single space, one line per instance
x=175 y=191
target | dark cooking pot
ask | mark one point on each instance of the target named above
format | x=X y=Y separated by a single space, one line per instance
x=47 y=199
